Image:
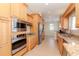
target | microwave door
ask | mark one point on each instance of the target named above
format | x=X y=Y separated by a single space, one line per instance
x=14 y=23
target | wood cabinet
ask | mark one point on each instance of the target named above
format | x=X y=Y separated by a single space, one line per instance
x=5 y=49
x=29 y=18
x=19 y=10
x=15 y=10
x=60 y=44
x=66 y=23
x=5 y=10
x=30 y=41
x=33 y=39
x=23 y=9
x=65 y=17
x=77 y=14
x=5 y=37
x=36 y=20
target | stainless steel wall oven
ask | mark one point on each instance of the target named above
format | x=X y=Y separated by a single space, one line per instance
x=18 y=42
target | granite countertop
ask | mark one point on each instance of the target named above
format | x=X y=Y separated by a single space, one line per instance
x=73 y=50
x=69 y=38
x=72 y=44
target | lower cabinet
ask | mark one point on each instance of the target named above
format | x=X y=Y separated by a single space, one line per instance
x=5 y=50
x=30 y=42
x=60 y=44
x=5 y=37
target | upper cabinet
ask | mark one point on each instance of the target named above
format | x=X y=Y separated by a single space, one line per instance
x=23 y=11
x=19 y=10
x=68 y=19
x=5 y=10
x=65 y=21
x=15 y=9
x=77 y=15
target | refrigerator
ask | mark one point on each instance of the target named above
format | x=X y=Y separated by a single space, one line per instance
x=40 y=31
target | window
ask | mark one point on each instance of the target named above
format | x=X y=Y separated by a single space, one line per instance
x=72 y=22
x=51 y=26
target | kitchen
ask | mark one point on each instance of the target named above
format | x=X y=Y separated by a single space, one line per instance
x=17 y=28
x=22 y=29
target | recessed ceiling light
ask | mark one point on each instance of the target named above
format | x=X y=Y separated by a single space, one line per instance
x=46 y=3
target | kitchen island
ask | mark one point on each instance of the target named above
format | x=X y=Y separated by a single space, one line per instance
x=68 y=42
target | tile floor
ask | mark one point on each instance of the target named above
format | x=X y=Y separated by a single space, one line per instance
x=47 y=48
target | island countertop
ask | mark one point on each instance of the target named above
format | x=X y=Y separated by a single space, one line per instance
x=71 y=45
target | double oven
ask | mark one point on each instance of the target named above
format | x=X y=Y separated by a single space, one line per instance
x=19 y=41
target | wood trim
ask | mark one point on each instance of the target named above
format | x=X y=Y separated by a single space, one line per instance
x=25 y=4
x=35 y=14
x=69 y=10
x=29 y=16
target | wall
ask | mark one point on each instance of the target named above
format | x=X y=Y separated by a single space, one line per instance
x=51 y=20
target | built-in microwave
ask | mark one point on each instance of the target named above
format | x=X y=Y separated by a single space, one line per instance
x=18 y=25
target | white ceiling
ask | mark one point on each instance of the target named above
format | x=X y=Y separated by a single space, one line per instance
x=50 y=10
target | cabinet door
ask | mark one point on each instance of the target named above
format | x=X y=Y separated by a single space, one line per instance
x=5 y=37
x=77 y=14
x=61 y=46
x=5 y=50
x=23 y=10
x=66 y=23
x=5 y=10
x=15 y=9
x=30 y=42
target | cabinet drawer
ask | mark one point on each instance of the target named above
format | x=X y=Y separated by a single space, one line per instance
x=5 y=50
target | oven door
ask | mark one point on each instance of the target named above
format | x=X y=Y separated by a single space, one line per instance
x=18 y=45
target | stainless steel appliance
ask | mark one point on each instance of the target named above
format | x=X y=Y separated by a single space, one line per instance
x=40 y=31
x=18 y=42
x=18 y=25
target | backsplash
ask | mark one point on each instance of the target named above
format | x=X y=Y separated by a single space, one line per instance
x=75 y=32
